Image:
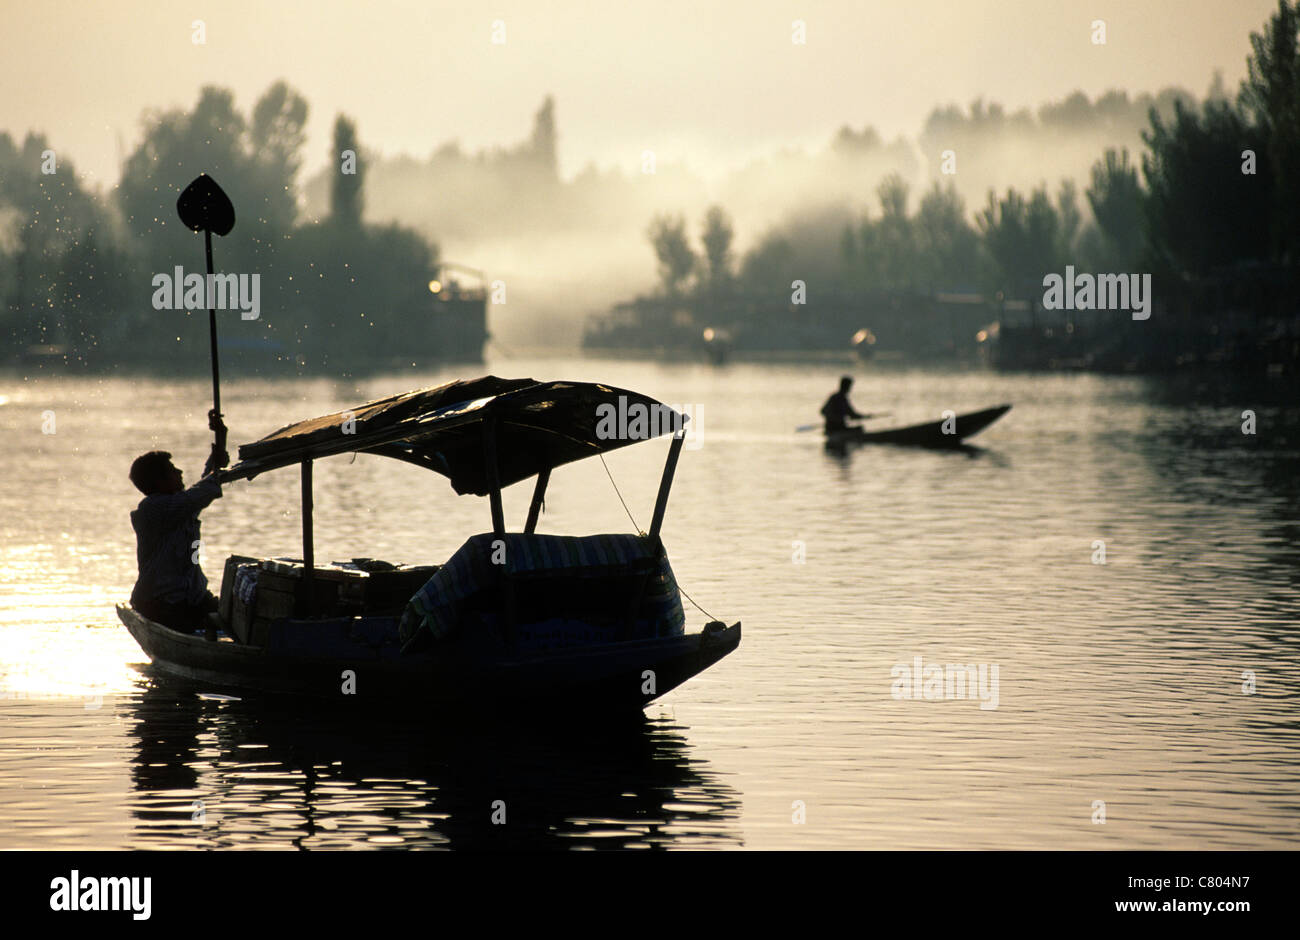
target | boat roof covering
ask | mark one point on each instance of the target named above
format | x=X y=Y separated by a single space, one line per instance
x=539 y=425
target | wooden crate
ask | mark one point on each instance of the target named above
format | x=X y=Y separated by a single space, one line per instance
x=273 y=604
x=283 y=580
x=389 y=591
x=260 y=631
x=226 y=607
x=241 y=621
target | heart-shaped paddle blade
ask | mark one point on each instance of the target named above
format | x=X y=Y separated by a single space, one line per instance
x=204 y=205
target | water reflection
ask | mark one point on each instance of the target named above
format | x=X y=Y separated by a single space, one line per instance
x=283 y=774
x=842 y=450
x=1122 y=680
x=1219 y=389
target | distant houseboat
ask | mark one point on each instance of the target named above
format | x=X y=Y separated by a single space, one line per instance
x=459 y=313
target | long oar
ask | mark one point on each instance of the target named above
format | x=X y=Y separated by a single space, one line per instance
x=204 y=207
x=813 y=427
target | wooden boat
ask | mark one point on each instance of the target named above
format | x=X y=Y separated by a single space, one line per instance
x=513 y=618
x=931 y=434
x=609 y=677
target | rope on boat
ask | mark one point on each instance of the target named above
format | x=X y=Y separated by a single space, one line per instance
x=620 y=495
x=697 y=606
x=638 y=528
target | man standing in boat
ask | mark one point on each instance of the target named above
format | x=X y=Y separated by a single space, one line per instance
x=171 y=588
x=837 y=409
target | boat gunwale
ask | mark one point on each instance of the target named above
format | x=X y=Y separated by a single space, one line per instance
x=299 y=676
x=198 y=642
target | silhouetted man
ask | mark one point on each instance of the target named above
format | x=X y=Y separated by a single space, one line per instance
x=837 y=408
x=171 y=588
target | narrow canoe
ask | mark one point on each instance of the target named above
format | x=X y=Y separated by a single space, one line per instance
x=923 y=435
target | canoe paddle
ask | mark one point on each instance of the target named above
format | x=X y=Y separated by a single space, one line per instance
x=204 y=207
x=813 y=427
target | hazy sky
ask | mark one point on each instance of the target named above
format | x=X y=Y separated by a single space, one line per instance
x=711 y=83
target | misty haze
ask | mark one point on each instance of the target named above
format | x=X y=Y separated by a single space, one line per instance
x=690 y=425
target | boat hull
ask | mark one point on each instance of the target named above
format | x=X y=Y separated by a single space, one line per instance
x=612 y=676
x=930 y=435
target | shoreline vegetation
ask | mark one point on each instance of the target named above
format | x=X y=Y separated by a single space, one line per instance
x=1204 y=212
x=78 y=269
x=1195 y=195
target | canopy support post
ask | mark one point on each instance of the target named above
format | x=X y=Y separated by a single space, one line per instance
x=510 y=631
x=666 y=484
x=493 y=476
x=539 y=493
x=308 y=546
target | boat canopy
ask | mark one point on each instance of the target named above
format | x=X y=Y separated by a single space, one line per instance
x=531 y=426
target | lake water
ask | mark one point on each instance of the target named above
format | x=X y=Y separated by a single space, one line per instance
x=1159 y=691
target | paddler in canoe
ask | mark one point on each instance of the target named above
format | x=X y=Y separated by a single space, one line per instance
x=838 y=410
x=949 y=432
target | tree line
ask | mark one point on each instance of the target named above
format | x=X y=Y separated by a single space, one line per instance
x=1212 y=193
x=76 y=266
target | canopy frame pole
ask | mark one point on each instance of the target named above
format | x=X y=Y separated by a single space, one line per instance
x=539 y=496
x=666 y=484
x=493 y=476
x=308 y=541
x=510 y=627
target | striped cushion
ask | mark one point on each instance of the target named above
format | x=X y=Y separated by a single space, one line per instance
x=440 y=606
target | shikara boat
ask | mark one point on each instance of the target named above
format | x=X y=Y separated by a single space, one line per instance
x=513 y=618
x=932 y=434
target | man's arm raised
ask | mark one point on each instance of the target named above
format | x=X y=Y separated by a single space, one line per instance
x=218 y=459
